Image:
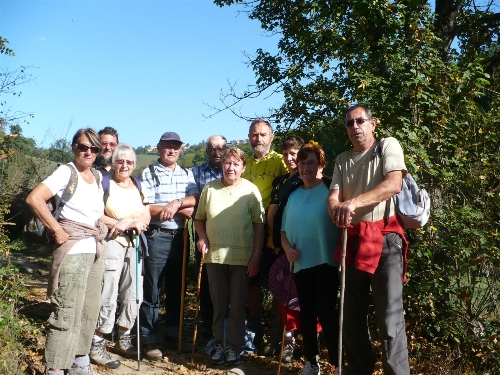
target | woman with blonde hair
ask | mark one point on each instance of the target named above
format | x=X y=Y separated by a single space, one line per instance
x=126 y=214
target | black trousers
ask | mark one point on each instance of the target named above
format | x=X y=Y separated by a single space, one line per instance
x=317 y=288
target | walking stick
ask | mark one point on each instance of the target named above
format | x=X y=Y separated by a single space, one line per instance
x=197 y=308
x=286 y=314
x=183 y=287
x=342 y=291
x=137 y=298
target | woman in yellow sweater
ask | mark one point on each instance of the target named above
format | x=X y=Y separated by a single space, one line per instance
x=230 y=226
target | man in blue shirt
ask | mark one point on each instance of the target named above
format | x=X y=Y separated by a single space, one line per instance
x=204 y=173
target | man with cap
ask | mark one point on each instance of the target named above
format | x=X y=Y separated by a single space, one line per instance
x=109 y=140
x=204 y=173
x=172 y=194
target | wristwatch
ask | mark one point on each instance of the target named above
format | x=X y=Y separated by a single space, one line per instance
x=180 y=202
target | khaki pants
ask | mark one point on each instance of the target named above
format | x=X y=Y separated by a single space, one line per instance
x=118 y=286
x=75 y=307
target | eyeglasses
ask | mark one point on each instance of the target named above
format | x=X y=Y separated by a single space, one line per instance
x=217 y=149
x=122 y=161
x=309 y=164
x=359 y=121
x=85 y=148
x=110 y=144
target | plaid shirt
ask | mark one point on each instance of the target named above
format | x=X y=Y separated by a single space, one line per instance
x=205 y=173
x=175 y=184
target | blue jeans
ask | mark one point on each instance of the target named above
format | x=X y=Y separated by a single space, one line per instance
x=387 y=287
x=164 y=261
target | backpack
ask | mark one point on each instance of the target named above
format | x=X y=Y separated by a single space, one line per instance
x=35 y=231
x=413 y=204
x=278 y=218
x=154 y=176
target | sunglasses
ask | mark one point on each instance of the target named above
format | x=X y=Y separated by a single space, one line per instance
x=110 y=144
x=122 y=161
x=359 y=121
x=85 y=148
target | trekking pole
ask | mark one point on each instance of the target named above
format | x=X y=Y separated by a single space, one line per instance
x=286 y=315
x=137 y=298
x=197 y=308
x=183 y=287
x=342 y=291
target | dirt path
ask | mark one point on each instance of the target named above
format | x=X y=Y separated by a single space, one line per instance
x=37 y=309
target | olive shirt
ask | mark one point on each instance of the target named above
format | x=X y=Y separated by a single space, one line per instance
x=263 y=172
x=356 y=173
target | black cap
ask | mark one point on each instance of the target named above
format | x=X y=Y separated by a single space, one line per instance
x=170 y=136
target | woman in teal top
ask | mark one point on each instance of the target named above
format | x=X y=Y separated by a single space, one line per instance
x=307 y=226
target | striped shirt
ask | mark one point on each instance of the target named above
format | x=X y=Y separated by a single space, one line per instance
x=175 y=184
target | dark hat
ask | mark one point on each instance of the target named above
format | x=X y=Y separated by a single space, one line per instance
x=170 y=136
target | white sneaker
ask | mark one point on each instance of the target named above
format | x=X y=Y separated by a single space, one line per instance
x=309 y=369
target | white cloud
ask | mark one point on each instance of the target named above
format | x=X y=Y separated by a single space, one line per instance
x=40 y=39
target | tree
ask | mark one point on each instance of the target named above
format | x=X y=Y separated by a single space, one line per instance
x=430 y=75
x=10 y=80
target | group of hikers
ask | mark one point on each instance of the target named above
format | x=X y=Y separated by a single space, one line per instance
x=249 y=214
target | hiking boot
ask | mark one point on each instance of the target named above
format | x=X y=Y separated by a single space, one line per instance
x=288 y=349
x=87 y=370
x=100 y=356
x=232 y=358
x=218 y=355
x=151 y=352
x=310 y=369
x=125 y=347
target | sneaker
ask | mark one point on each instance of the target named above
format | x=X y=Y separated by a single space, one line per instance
x=288 y=349
x=87 y=370
x=151 y=352
x=218 y=355
x=232 y=358
x=125 y=347
x=309 y=369
x=100 y=356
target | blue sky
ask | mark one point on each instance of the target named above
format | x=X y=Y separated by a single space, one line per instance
x=143 y=67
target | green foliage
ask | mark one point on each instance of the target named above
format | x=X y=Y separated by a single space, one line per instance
x=441 y=103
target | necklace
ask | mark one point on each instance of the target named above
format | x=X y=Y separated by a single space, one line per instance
x=122 y=186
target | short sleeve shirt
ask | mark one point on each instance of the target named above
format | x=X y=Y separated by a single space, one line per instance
x=356 y=173
x=230 y=214
x=174 y=184
x=263 y=172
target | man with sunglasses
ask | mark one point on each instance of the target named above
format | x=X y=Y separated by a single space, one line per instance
x=172 y=194
x=203 y=174
x=109 y=140
x=364 y=181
